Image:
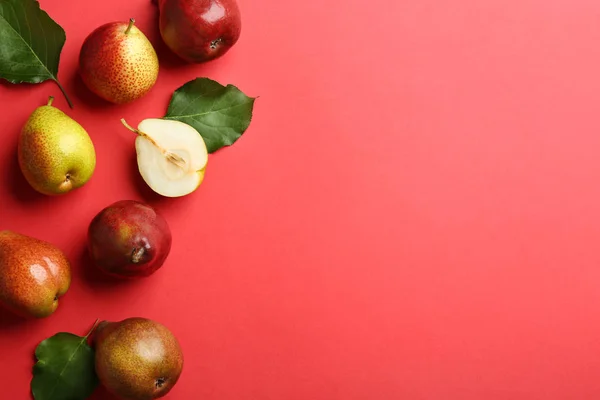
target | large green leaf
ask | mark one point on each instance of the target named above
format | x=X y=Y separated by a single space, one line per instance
x=65 y=368
x=221 y=114
x=30 y=43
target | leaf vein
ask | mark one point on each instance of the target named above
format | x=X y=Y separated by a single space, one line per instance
x=220 y=110
x=65 y=367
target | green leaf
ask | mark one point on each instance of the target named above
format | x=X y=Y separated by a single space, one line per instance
x=30 y=45
x=65 y=368
x=221 y=114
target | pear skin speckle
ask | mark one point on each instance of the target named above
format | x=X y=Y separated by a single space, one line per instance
x=56 y=154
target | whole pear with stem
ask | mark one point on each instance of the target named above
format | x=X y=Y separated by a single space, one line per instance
x=55 y=153
x=118 y=63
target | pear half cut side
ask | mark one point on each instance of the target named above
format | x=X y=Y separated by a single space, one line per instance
x=171 y=156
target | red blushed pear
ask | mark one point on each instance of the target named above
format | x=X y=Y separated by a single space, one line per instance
x=118 y=63
x=199 y=30
x=33 y=275
x=129 y=239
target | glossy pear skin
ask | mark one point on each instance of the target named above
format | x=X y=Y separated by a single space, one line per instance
x=33 y=275
x=129 y=239
x=199 y=30
x=55 y=153
x=119 y=67
x=137 y=358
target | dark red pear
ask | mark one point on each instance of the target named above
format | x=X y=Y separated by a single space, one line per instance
x=129 y=239
x=199 y=30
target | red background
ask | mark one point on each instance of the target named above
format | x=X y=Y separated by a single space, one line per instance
x=412 y=214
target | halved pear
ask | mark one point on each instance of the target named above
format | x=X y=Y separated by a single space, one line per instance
x=171 y=156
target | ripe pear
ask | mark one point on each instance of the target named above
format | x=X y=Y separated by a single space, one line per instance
x=129 y=239
x=33 y=275
x=199 y=30
x=137 y=358
x=118 y=63
x=171 y=156
x=56 y=154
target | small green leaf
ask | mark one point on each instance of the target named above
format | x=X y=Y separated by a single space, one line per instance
x=65 y=368
x=31 y=43
x=221 y=114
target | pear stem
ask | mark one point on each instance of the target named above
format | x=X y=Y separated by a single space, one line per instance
x=93 y=328
x=131 y=22
x=171 y=157
x=64 y=92
x=50 y=100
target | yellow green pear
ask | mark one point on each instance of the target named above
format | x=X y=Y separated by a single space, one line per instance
x=56 y=155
